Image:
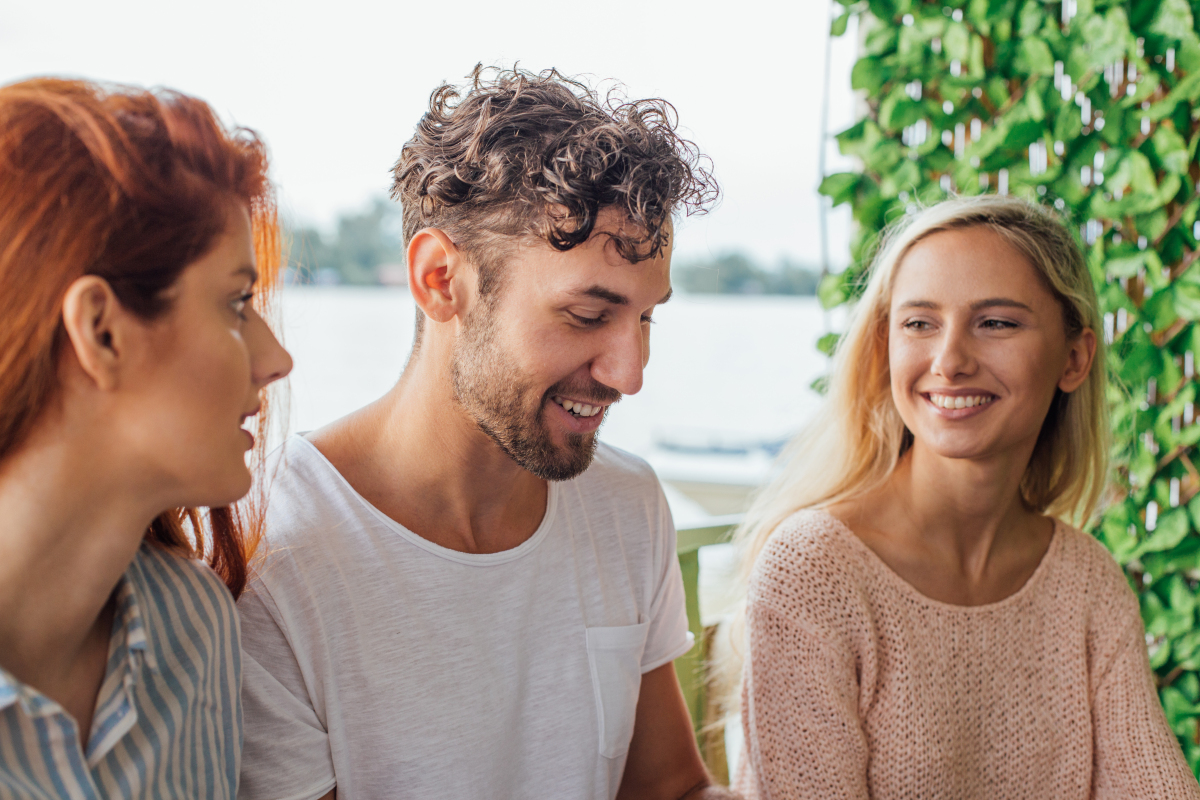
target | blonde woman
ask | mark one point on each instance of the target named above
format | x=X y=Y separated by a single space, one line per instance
x=922 y=621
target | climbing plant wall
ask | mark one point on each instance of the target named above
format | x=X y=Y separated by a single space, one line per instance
x=1088 y=106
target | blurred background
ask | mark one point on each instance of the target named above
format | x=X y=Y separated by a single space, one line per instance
x=336 y=91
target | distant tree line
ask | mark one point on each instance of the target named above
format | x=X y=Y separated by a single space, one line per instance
x=363 y=247
x=737 y=273
x=366 y=249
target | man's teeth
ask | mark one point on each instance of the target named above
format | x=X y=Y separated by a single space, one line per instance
x=948 y=401
x=579 y=409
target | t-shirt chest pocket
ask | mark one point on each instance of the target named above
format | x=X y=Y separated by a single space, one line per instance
x=615 y=659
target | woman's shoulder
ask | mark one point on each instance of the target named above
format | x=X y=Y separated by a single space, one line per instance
x=808 y=557
x=174 y=590
x=1092 y=579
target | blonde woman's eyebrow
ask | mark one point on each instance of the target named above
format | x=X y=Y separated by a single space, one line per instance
x=999 y=302
x=978 y=305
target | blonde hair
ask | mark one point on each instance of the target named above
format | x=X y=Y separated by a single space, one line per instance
x=853 y=444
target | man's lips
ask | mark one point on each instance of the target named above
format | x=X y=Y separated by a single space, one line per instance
x=581 y=408
x=587 y=421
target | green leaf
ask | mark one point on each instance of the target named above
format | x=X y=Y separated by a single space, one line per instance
x=839 y=24
x=1034 y=104
x=1173 y=19
x=1034 y=57
x=868 y=74
x=1030 y=19
x=1187 y=300
x=957 y=42
x=1171 y=149
x=828 y=343
x=898 y=110
x=840 y=186
x=1107 y=37
x=1187 y=90
x=1128 y=266
x=833 y=291
x=880 y=39
x=1188 y=56
x=1160 y=656
x=1172 y=527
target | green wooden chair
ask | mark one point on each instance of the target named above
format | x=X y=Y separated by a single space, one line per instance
x=691 y=667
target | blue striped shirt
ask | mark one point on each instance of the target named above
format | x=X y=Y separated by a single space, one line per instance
x=168 y=719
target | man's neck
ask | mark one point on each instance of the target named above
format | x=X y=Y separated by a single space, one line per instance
x=420 y=459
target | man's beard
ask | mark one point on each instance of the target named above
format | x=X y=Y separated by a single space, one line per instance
x=490 y=388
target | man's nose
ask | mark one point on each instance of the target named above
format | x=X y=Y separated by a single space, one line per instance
x=621 y=362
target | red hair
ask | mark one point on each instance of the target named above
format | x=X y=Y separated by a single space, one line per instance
x=132 y=186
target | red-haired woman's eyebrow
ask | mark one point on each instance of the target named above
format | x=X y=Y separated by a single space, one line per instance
x=249 y=271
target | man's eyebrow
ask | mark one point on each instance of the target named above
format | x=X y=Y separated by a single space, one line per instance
x=617 y=299
x=607 y=295
x=249 y=271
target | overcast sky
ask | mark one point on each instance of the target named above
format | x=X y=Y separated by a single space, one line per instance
x=336 y=88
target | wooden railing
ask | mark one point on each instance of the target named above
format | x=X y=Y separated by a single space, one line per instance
x=692 y=666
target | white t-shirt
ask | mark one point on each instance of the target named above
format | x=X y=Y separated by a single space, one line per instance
x=394 y=668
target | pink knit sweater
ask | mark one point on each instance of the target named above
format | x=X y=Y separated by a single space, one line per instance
x=859 y=686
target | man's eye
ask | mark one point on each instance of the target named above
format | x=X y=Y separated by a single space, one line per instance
x=588 y=321
x=647 y=319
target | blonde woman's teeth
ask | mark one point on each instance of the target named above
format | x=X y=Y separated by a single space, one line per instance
x=948 y=401
x=579 y=409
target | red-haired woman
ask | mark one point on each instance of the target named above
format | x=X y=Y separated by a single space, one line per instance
x=136 y=233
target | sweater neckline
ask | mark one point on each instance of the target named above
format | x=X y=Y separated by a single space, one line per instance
x=879 y=565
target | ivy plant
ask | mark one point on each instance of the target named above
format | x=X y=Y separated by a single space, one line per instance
x=1089 y=106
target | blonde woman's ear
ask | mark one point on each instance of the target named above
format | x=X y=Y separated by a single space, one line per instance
x=1079 y=361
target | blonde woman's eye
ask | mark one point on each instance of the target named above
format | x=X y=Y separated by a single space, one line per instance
x=916 y=325
x=999 y=324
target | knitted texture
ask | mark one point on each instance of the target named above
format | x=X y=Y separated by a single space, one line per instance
x=859 y=686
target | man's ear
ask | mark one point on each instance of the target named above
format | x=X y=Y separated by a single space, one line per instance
x=91 y=315
x=1079 y=361
x=436 y=274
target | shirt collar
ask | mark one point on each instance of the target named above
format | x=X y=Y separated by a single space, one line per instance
x=130 y=622
x=129 y=633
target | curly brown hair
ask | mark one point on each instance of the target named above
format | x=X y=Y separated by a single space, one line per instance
x=523 y=154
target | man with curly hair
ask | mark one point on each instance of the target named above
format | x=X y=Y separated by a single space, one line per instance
x=464 y=594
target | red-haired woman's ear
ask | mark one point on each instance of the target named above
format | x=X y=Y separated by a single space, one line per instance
x=91 y=314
